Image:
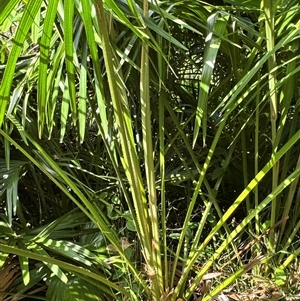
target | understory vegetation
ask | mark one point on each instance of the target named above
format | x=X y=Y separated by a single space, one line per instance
x=150 y=150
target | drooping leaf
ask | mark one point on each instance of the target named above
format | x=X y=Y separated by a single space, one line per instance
x=32 y=8
x=9 y=179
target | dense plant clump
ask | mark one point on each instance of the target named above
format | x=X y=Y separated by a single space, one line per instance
x=150 y=150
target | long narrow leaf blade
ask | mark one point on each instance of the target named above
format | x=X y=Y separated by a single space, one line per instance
x=44 y=60
x=32 y=8
x=68 y=32
x=217 y=28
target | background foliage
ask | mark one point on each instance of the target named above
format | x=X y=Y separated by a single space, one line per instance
x=147 y=147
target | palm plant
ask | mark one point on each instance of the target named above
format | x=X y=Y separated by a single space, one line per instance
x=152 y=122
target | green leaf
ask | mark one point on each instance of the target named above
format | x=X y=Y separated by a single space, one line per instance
x=280 y=277
x=6 y=230
x=66 y=266
x=6 y=6
x=53 y=267
x=43 y=94
x=64 y=111
x=75 y=289
x=82 y=93
x=69 y=6
x=216 y=30
x=131 y=226
x=24 y=264
x=68 y=249
x=9 y=179
x=32 y=8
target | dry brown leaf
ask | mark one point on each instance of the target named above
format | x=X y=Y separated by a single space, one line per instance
x=124 y=245
x=209 y=276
